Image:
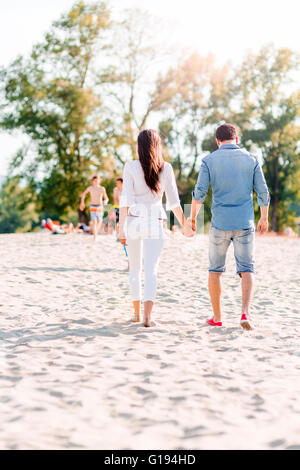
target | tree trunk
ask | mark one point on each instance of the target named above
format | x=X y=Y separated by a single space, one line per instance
x=275 y=214
x=196 y=155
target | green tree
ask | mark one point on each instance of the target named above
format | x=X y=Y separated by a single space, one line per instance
x=266 y=108
x=17 y=207
x=49 y=97
x=198 y=94
x=134 y=88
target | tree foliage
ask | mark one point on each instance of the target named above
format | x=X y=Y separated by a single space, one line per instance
x=133 y=93
x=17 y=207
x=268 y=119
x=49 y=98
x=260 y=98
x=93 y=83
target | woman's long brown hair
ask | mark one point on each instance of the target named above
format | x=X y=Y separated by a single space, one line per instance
x=150 y=156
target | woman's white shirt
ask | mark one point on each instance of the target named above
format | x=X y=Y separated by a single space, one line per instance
x=138 y=196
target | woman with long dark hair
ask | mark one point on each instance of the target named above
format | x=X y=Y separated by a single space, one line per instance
x=141 y=216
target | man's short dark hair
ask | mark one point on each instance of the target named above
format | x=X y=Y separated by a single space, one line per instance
x=226 y=132
x=120 y=179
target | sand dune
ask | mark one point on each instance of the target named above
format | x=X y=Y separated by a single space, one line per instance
x=76 y=373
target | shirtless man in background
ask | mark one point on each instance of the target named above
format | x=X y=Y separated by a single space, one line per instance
x=98 y=198
x=117 y=195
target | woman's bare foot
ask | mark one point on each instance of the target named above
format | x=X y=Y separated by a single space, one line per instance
x=148 y=305
x=137 y=309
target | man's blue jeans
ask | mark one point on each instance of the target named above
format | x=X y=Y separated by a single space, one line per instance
x=243 y=243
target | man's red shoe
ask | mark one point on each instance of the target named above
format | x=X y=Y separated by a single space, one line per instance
x=246 y=323
x=212 y=322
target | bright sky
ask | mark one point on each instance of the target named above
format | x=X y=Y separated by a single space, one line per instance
x=227 y=28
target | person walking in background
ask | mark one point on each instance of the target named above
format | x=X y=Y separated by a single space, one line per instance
x=233 y=173
x=98 y=198
x=144 y=182
x=117 y=195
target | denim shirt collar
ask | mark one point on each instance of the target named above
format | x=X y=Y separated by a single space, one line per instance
x=228 y=146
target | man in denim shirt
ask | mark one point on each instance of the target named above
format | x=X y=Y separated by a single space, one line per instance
x=233 y=173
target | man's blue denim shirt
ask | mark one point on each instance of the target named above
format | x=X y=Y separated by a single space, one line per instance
x=233 y=173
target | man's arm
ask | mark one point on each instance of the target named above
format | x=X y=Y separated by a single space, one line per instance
x=195 y=209
x=263 y=198
x=83 y=196
x=263 y=223
x=199 y=193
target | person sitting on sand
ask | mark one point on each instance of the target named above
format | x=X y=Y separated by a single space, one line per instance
x=98 y=198
x=145 y=182
x=117 y=194
x=47 y=224
x=56 y=228
x=232 y=173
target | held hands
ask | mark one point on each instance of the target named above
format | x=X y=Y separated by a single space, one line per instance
x=262 y=225
x=188 y=230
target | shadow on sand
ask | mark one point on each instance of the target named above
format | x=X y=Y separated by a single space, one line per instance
x=62 y=270
x=26 y=335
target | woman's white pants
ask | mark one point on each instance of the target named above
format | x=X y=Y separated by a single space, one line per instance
x=145 y=240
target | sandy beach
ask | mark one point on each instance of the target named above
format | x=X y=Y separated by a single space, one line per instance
x=75 y=373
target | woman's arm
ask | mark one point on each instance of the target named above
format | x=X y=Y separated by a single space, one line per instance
x=126 y=200
x=123 y=217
